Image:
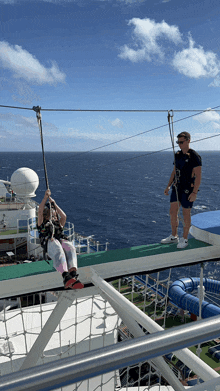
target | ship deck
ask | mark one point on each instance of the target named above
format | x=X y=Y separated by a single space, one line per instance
x=41 y=276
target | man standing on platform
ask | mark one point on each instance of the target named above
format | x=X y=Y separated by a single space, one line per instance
x=185 y=180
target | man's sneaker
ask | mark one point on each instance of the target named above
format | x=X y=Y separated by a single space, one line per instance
x=182 y=243
x=170 y=239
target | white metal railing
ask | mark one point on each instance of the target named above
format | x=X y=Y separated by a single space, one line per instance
x=20 y=228
x=83 y=244
x=70 y=370
x=88 y=244
x=126 y=308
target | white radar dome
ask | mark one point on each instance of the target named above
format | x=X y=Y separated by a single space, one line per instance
x=24 y=182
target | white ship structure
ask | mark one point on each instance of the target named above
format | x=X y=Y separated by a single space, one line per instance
x=133 y=327
x=18 y=217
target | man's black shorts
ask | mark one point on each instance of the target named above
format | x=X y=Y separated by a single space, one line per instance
x=182 y=197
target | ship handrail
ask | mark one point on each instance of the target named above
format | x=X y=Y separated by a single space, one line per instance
x=70 y=370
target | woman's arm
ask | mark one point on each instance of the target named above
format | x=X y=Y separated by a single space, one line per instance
x=60 y=212
x=41 y=207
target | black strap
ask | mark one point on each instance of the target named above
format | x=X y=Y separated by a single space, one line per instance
x=38 y=114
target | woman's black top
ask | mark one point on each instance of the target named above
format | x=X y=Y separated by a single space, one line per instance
x=46 y=230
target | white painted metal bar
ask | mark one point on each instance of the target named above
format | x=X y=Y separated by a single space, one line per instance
x=65 y=300
x=185 y=355
x=201 y=298
x=201 y=291
x=211 y=385
x=71 y=370
x=136 y=331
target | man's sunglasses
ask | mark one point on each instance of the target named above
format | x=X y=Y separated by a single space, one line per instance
x=180 y=142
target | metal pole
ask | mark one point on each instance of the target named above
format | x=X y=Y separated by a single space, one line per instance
x=201 y=291
x=136 y=331
x=185 y=355
x=201 y=297
x=65 y=300
x=61 y=373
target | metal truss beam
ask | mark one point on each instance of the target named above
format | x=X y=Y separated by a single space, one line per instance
x=136 y=331
x=65 y=300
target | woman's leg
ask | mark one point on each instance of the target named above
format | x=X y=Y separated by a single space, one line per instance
x=71 y=258
x=56 y=253
x=70 y=253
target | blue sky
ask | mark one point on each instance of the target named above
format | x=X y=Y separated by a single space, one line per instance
x=108 y=54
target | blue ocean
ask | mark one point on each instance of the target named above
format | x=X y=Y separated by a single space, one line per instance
x=116 y=196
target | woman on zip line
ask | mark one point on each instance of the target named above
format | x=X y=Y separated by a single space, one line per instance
x=51 y=220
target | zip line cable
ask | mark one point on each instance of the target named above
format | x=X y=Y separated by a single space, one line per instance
x=127 y=138
x=146 y=131
x=134 y=111
x=151 y=153
x=111 y=110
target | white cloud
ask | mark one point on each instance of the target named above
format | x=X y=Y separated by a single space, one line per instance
x=26 y=66
x=208 y=116
x=216 y=125
x=208 y=144
x=100 y=127
x=20 y=90
x=147 y=33
x=22 y=125
x=149 y=43
x=195 y=62
x=215 y=82
x=94 y=135
x=117 y=123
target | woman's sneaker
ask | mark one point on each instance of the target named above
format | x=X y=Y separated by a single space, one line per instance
x=170 y=239
x=67 y=280
x=71 y=282
x=76 y=284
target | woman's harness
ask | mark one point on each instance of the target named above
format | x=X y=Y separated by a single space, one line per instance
x=50 y=229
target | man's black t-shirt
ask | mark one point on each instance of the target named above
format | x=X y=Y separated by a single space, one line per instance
x=184 y=167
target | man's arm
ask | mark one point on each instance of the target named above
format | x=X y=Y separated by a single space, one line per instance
x=166 y=191
x=197 y=173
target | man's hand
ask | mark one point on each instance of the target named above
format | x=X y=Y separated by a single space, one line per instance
x=192 y=197
x=166 y=191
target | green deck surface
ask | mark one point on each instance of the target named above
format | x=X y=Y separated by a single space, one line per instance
x=30 y=269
